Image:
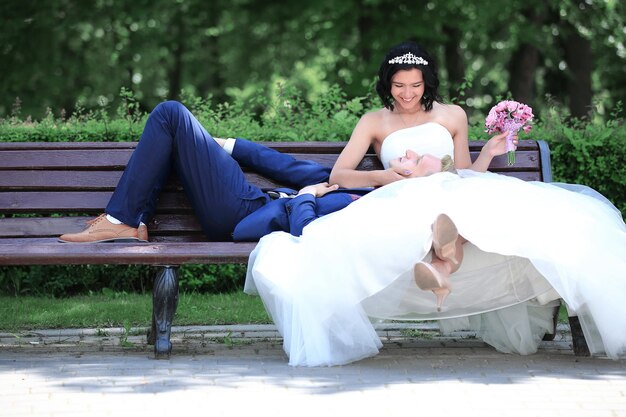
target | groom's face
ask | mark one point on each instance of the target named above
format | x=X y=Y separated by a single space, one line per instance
x=413 y=165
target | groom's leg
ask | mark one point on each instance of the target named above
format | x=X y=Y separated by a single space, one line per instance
x=279 y=166
x=214 y=182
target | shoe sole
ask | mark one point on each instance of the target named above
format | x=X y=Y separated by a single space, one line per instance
x=426 y=277
x=113 y=240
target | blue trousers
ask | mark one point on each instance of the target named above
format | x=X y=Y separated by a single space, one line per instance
x=213 y=180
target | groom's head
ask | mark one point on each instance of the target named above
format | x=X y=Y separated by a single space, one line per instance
x=413 y=165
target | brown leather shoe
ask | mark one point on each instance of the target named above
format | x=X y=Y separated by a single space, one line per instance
x=102 y=230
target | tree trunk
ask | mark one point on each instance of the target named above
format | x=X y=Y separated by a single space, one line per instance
x=211 y=80
x=175 y=72
x=365 y=25
x=525 y=60
x=521 y=72
x=579 y=60
x=455 y=65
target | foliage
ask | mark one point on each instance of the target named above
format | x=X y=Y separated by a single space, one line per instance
x=212 y=278
x=588 y=153
x=288 y=116
x=59 y=52
x=64 y=280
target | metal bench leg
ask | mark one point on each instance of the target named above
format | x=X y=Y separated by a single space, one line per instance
x=164 y=303
x=579 y=344
x=555 y=321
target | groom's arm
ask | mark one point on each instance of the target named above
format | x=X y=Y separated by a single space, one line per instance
x=301 y=212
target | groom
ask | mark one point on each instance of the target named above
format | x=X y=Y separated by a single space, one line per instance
x=227 y=206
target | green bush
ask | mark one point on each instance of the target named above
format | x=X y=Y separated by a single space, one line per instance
x=586 y=153
x=68 y=280
x=287 y=117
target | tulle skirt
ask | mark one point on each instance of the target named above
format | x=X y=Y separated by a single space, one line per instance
x=529 y=244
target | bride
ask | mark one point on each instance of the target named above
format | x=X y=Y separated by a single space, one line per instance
x=324 y=288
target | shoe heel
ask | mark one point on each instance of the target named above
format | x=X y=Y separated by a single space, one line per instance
x=447 y=252
x=441 y=294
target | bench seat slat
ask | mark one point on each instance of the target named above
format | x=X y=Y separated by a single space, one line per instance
x=51 y=252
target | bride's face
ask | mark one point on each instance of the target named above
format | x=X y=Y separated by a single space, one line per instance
x=407 y=89
x=413 y=165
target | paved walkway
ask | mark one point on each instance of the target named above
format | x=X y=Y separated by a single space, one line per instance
x=242 y=370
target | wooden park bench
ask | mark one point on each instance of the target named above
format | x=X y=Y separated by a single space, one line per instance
x=61 y=185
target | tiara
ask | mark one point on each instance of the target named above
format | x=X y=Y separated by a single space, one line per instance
x=408 y=58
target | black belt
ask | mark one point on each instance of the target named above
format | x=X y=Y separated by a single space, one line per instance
x=275 y=195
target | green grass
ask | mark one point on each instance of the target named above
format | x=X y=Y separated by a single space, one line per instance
x=112 y=309
x=120 y=309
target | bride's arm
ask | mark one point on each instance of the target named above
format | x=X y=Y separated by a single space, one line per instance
x=344 y=172
x=458 y=127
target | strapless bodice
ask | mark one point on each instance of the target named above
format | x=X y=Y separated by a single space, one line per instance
x=428 y=138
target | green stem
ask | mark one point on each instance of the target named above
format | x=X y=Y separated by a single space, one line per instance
x=510 y=157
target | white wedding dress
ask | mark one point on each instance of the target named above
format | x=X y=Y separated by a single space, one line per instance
x=529 y=244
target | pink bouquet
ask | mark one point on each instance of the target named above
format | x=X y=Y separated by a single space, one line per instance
x=509 y=116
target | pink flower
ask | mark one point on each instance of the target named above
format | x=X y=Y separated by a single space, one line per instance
x=509 y=116
x=502 y=116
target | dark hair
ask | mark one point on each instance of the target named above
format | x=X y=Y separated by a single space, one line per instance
x=387 y=71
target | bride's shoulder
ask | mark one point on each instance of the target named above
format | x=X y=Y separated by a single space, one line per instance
x=451 y=116
x=375 y=121
x=450 y=111
x=375 y=116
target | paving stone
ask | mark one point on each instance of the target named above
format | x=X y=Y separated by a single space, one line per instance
x=233 y=370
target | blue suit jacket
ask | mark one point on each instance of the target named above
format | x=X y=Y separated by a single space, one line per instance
x=293 y=214
x=286 y=214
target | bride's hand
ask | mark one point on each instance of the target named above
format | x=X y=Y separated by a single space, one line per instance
x=394 y=174
x=318 y=190
x=497 y=144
